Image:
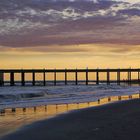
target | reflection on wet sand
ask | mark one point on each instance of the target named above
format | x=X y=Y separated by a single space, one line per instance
x=13 y=119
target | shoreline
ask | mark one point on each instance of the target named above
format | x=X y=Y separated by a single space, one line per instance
x=118 y=120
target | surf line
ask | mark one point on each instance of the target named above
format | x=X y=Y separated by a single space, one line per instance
x=65 y=107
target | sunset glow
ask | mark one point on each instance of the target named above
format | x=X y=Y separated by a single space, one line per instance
x=69 y=34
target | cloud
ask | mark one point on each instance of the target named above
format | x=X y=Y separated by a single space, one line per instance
x=36 y=23
x=11 y=26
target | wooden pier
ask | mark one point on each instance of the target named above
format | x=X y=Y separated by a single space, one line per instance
x=97 y=80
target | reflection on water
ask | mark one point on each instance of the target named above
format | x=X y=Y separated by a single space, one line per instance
x=13 y=119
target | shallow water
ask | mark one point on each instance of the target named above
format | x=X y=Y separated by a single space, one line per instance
x=12 y=121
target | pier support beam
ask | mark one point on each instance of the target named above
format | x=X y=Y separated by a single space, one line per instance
x=12 y=80
x=129 y=77
x=97 y=78
x=1 y=79
x=23 y=78
x=44 y=78
x=118 y=77
x=87 y=77
x=139 y=77
x=65 y=76
x=76 y=77
x=108 y=78
x=55 y=77
x=33 y=78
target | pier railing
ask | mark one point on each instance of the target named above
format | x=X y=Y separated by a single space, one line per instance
x=96 y=80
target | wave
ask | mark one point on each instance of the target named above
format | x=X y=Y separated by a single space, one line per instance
x=33 y=96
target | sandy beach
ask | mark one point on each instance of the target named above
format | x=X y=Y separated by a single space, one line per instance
x=118 y=121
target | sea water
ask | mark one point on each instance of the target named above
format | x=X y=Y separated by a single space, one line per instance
x=28 y=96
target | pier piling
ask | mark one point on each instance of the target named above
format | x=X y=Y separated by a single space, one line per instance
x=108 y=78
x=76 y=77
x=22 y=78
x=87 y=77
x=44 y=78
x=1 y=79
x=33 y=78
x=12 y=81
x=129 y=77
x=118 y=77
x=55 y=77
x=65 y=77
x=97 y=78
x=139 y=77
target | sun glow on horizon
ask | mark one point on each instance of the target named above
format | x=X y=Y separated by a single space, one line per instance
x=76 y=34
x=88 y=55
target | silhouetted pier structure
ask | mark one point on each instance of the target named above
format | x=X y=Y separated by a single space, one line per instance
x=97 y=80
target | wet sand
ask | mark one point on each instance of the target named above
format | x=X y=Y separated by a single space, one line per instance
x=117 y=121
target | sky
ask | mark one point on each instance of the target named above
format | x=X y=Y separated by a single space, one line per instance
x=69 y=33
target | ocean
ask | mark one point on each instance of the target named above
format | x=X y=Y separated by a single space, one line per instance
x=28 y=96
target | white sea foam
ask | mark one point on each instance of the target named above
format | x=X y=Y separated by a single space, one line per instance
x=33 y=96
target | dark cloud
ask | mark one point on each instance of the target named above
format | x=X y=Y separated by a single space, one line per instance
x=33 y=23
x=130 y=12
